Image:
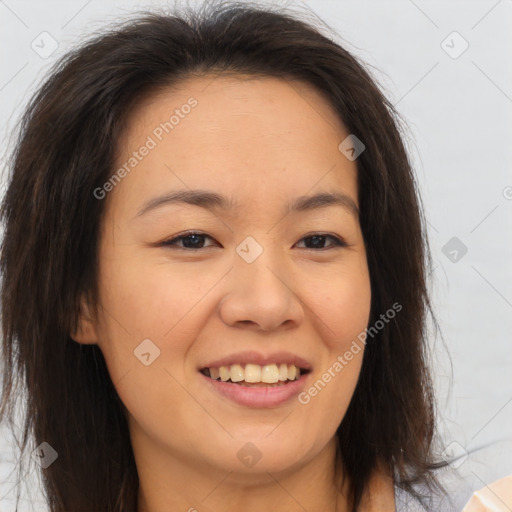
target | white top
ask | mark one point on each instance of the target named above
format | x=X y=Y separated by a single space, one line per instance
x=461 y=490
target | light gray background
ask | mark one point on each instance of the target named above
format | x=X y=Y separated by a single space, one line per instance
x=459 y=113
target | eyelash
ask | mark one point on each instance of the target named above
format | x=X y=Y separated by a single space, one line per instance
x=338 y=242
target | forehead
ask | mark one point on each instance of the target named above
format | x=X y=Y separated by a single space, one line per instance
x=239 y=88
x=259 y=136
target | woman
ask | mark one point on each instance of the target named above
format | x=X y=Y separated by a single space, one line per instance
x=214 y=275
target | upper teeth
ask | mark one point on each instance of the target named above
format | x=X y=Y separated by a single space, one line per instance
x=269 y=373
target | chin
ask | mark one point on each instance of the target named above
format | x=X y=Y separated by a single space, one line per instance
x=252 y=456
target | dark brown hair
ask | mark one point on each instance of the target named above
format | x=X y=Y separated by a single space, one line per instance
x=65 y=150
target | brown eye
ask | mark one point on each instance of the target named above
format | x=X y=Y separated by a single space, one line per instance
x=318 y=240
x=191 y=240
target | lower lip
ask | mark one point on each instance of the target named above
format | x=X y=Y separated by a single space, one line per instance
x=257 y=397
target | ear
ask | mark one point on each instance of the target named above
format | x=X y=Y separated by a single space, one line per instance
x=86 y=326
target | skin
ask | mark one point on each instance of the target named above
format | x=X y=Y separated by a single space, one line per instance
x=262 y=141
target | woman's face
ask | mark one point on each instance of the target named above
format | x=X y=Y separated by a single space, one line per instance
x=255 y=287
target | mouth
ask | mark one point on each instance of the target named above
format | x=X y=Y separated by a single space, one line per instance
x=254 y=375
x=254 y=386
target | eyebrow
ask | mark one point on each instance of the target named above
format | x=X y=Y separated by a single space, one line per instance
x=210 y=200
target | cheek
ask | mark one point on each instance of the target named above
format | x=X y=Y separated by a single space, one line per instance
x=157 y=302
x=342 y=304
x=341 y=311
x=149 y=301
x=147 y=307
x=137 y=306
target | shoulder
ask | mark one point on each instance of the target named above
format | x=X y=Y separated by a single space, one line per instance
x=383 y=495
x=453 y=500
x=380 y=494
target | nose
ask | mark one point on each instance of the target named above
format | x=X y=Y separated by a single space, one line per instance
x=262 y=295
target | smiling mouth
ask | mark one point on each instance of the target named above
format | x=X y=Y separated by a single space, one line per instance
x=253 y=375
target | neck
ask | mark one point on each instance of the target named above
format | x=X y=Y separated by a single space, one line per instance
x=167 y=483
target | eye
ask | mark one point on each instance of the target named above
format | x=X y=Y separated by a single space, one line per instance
x=193 y=240
x=319 y=239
